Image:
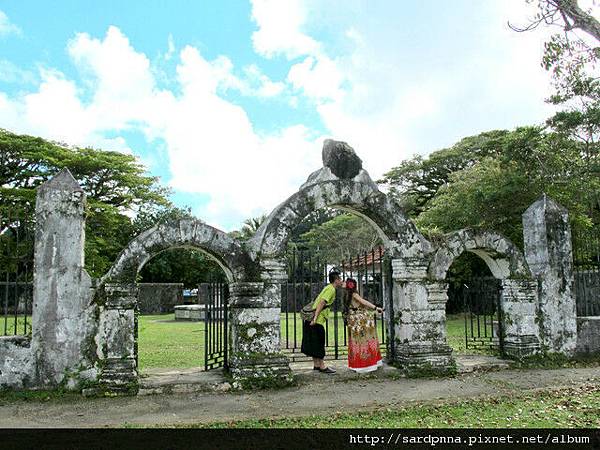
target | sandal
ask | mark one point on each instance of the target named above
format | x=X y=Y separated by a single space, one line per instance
x=327 y=370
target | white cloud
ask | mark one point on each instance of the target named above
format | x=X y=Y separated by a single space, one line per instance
x=318 y=78
x=384 y=94
x=388 y=100
x=7 y=27
x=259 y=85
x=211 y=144
x=280 y=29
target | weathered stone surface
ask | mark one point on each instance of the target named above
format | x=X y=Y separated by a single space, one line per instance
x=358 y=195
x=181 y=233
x=410 y=296
x=502 y=257
x=262 y=371
x=17 y=365
x=117 y=327
x=424 y=358
x=255 y=331
x=519 y=318
x=406 y=269
x=547 y=237
x=87 y=333
x=341 y=159
x=119 y=376
x=246 y=295
x=62 y=319
x=194 y=313
x=120 y=296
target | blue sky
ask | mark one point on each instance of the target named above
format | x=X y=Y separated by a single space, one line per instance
x=229 y=101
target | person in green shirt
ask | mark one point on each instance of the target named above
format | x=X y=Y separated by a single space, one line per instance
x=313 y=332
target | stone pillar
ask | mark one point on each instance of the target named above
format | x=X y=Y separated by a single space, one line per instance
x=255 y=313
x=520 y=330
x=62 y=289
x=420 y=346
x=548 y=252
x=118 y=338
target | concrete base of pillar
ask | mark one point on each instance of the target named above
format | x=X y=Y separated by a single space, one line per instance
x=118 y=377
x=256 y=370
x=521 y=347
x=424 y=360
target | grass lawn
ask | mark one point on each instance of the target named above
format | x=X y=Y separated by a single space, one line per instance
x=573 y=407
x=7 y=325
x=165 y=343
x=455 y=330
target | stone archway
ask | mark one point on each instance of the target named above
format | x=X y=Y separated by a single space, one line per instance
x=181 y=233
x=343 y=183
x=119 y=292
x=519 y=288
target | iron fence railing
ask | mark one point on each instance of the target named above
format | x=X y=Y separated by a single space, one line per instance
x=16 y=272
x=308 y=275
x=586 y=265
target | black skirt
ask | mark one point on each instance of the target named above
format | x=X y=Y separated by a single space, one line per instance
x=313 y=340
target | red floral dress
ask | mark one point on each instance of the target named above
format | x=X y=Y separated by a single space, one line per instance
x=363 y=345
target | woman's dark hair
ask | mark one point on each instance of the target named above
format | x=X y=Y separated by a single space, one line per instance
x=350 y=289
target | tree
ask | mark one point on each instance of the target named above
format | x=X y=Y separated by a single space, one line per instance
x=184 y=265
x=341 y=238
x=491 y=188
x=563 y=13
x=249 y=228
x=416 y=181
x=572 y=59
x=116 y=186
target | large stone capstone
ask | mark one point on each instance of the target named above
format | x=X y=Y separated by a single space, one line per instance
x=341 y=159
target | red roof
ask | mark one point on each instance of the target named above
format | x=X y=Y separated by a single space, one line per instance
x=374 y=256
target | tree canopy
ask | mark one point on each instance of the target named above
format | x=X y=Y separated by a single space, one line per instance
x=487 y=181
x=116 y=185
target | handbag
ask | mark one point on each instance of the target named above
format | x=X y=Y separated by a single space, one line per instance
x=308 y=312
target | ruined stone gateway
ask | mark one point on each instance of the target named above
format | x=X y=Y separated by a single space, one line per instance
x=84 y=330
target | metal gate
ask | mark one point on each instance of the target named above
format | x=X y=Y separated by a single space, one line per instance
x=216 y=335
x=16 y=272
x=483 y=315
x=308 y=275
x=586 y=265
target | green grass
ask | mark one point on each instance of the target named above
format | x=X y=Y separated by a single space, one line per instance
x=163 y=342
x=455 y=331
x=8 y=396
x=7 y=325
x=571 y=407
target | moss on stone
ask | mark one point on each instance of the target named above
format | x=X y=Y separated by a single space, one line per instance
x=428 y=370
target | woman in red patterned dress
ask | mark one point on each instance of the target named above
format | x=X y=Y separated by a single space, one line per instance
x=363 y=345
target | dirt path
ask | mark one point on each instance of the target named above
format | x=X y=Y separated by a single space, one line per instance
x=323 y=395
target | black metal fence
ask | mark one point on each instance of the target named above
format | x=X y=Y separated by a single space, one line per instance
x=586 y=265
x=483 y=315
x=16 y=272
x=216 y=339
x=308 y=275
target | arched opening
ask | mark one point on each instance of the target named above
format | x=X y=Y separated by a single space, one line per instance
x=473 y=307
x=508 y=300
x=327 y=239
x=182 y=295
